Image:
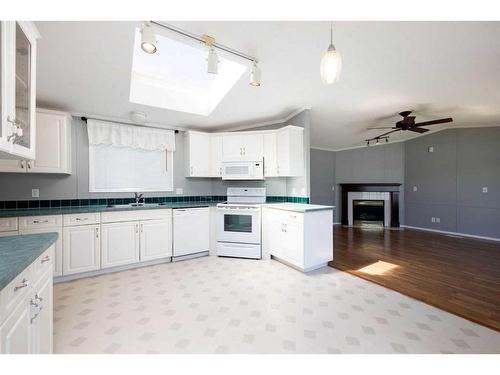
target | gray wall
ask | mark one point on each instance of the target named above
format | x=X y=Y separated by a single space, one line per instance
x=449 y=181
x=17 y=186
x=322 y=177
x=383 y=163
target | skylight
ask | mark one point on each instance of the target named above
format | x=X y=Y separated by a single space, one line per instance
x=176 y=77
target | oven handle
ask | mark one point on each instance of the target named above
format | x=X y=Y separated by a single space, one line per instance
x=236 y=209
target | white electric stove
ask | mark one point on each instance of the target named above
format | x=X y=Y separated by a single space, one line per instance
x=239 y=223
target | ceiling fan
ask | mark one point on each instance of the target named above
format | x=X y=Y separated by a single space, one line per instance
x=407 y=123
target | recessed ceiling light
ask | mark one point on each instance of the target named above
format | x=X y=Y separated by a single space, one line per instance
x=148 y=39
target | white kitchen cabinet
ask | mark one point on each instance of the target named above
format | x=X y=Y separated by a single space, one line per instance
x=290 y=151
x=303 y=240
x=53 y=146
x=18 y=89
x=270 y=157
x=243 y=146
x=216 y=155
x=197 y=151
x=81 y=249
x=58 y=250
x=15 y=331
x=120 y=244
x=42 y=317
x=155 y=239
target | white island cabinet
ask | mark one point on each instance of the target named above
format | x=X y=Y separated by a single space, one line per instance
x=299 y=235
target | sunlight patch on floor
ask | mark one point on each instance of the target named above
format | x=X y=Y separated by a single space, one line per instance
x=378 y=268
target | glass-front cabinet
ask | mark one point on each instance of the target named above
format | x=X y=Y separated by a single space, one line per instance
x=18 y=91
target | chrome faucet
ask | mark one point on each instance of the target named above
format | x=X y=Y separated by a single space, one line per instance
x=137 y=198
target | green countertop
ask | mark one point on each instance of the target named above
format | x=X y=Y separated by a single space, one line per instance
x=18 y=252
x=299 y=207
x=79 y=210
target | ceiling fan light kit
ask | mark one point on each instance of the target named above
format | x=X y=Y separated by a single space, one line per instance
x=407 y=123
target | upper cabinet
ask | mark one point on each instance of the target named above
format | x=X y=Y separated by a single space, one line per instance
x=197 y=154
x=282 y=151
x=242 y=146
x=53 y=146
x=18 y=89
x=290 y=151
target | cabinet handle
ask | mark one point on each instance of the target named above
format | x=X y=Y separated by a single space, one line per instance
x=24 y=284
x=244 y=150
x=40 y=308
x=220 y=171
x=191 y=170
x=28 y=163
x=96 y=232
x=136 y=228
x=81 y=219
x=38 y=297
x=46 y=259
x=21 y=164
x=142 y=228
x=40 y=221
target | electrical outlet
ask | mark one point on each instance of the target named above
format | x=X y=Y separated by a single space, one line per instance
x=438 y=220
x=179 y=191
x=333 y=188
x=430 y=149
x=485 y=189
x=35 y=193
x=433 y=219
x=415 y=188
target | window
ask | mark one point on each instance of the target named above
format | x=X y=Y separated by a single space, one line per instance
x=124 y=158
x=176 y=77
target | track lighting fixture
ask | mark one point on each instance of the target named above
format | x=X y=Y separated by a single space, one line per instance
x=213 y=61
x=148 y=39
x=255 y=75
x=331 y=63
x=377 y=140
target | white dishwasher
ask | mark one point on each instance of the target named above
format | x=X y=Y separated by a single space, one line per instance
x=191 y=231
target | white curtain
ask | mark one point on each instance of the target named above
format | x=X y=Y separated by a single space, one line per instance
x=136 y=137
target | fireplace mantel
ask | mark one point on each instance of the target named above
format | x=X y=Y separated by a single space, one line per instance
x=391 y=188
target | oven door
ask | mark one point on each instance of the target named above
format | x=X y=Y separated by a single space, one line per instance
x=238 y=225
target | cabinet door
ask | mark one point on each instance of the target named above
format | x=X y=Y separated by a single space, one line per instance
x=290 y=151
x=15 y=332
x=11 y=165
x=232 y=147
x=42 y=330
x=58 y=253
x=293 y=242
x=216 y=155
x=52 y=144
x=156 y=239
x=253 y=146
x=25 y=91
x=81 y=249
x=120 y=244
x=275 y=237
x=270 y=160
x=198 y=154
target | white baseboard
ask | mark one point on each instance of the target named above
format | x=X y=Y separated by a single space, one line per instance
x=452 y=233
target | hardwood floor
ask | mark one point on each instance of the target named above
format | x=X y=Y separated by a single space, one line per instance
x=458 y=275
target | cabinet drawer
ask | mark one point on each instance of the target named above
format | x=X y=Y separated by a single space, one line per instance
x=35 y=222
x=8 y=224
x=44 y=263
x=283 y=215
x=295 y=217
x=82 y=219
x=15 y=291
x=135 y=215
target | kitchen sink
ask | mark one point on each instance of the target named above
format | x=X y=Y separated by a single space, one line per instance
x=132 y=205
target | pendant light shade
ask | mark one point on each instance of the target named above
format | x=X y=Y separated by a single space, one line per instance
x=255 y=75
x=148 y=39
x=331 y=63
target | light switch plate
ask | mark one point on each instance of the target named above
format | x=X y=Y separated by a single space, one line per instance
x=415 y=188
x=438 y=220
x=485 y=189
x=333 y=188
x=35 y=193
x=179 y=191
x=430 y=149
x=433 y=219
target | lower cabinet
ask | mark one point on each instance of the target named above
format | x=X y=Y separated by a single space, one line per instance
x=15 y=332
x=81 y=249
x=42 y=317
x=58 y=254
x=286 y=239
x=155 y=239
x=120 y=244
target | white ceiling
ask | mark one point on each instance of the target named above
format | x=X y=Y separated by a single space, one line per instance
x=439 y=69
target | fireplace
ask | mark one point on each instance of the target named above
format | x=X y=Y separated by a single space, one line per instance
x=370 y=212
x=367 y=203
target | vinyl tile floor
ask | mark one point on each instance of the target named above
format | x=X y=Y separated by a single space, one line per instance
x=226 y=305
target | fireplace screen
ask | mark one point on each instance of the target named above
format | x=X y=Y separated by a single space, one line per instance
x=368 y=211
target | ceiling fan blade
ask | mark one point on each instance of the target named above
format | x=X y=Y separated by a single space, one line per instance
x=434 y=122
x=418 y=130
x=386 y=127
x=392 y=131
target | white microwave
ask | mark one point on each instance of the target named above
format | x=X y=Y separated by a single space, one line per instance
x=243 y=170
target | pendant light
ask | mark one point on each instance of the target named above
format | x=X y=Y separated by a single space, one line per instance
x=331 y=63
x=148 y=39
x=213 y=61
x=255 y=75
